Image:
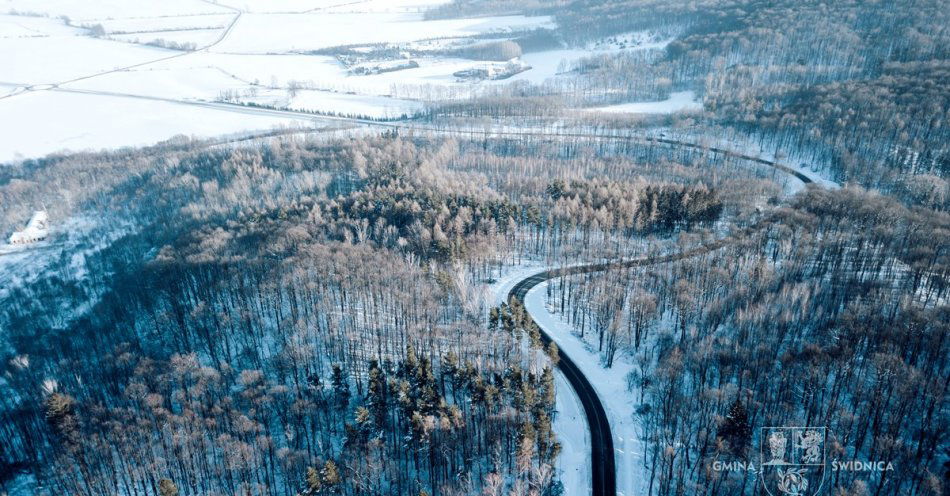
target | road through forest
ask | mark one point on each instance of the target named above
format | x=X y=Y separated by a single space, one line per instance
x=603 y=464
x=603 y=467
x=409 y=125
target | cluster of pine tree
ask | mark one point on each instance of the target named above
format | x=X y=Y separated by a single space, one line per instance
x=180 y=427
x=635 y=208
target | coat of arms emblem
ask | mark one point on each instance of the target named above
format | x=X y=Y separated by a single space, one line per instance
x=793 y=460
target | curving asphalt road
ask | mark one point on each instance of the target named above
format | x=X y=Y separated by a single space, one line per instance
x=603 y=469
x=603 y=465
x=409 y=125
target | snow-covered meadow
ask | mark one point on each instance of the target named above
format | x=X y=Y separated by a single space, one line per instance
x=40 y=123
x=248 y=52
x=282 y=33
x=283 y=54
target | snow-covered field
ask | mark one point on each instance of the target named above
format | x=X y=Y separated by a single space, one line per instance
x=154 y=24
x=16 y=26
x=309 y=6
x=281 y=33
x=246 y=51
x=341 y=103
x=85 y=10
x=68 y=55
x=46 y=46
x=186 y=39
x=39 y=123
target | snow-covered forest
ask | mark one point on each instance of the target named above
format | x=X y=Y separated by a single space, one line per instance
x=736 y=212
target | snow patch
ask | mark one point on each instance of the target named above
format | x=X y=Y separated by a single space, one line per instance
x=634 y=40
x=54 y=121
x=35 y=231
x=682 y=101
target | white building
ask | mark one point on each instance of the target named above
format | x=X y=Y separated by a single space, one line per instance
x=36 y=230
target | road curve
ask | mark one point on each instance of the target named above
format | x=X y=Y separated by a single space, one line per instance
x=603 y=469
x=410 y=125
x=603 y=465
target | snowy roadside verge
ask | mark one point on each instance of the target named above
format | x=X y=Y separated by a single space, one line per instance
x=611 y=387
x=570 y=423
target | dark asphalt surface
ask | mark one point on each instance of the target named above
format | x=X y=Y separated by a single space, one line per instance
x=603 y=465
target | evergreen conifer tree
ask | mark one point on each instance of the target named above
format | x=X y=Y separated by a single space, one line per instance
x=736 y=430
